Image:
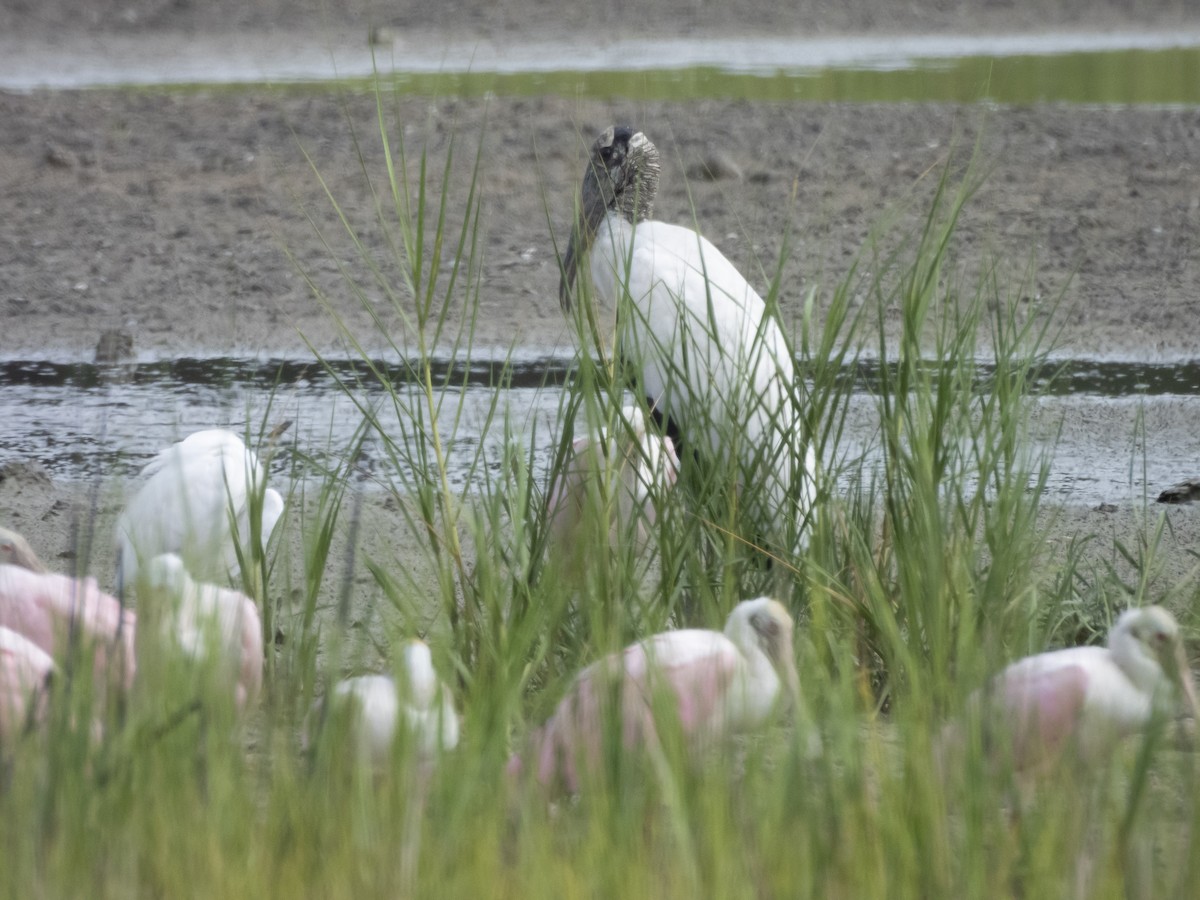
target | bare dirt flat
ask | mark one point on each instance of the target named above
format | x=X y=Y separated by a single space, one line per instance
x=192 y=219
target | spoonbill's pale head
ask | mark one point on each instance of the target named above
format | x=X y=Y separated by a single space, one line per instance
x=416 y=666
x=763 y=627
x=15 y=551
x=621 y=176
x=1148 y=645
x=165 y=572
x=374 y=707
x=428 y=705
x=632 y=461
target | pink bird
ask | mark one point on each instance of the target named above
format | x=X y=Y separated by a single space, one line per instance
x=53 y=611
x=629 y=471
x=204 y=623
x=25 y=670
x=715 y=683
x=1086 y=699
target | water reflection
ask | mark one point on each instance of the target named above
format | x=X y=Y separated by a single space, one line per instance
x=1117 y=429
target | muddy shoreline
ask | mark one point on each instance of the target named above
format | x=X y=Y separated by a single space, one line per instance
x=194 y=221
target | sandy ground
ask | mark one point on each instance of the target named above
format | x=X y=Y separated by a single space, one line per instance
x=194 y=222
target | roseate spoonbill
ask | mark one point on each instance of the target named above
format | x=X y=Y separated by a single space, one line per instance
x=417 y=703
x=204 y=623
x=56 y=611
x=1085 y=699
x=25 y=672
x=714 y=683
x=699 y=340
x=193 y=496
x=645 y=466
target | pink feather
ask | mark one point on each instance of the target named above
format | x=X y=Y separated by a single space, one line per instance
x=51 y=610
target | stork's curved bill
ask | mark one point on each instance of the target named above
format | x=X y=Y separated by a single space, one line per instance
x=703 y=348
x=710 y=683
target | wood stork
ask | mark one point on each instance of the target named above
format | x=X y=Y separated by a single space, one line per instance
x=1084 y=700
x=624 y=473
x=215 y=628
x=378 y=707
x=196 y=501
x=25 y=672
x=706 y=354
x=711 y=683
x=62 y=614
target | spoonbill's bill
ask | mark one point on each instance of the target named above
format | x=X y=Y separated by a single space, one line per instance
x=629 y=470
x=377 y=707
x=195 y=501
x=204 y=623
x=711 y=683
x=1085 y=699
x=25 y=671
x=15 y=551
x=699 y=340
x=62 y=614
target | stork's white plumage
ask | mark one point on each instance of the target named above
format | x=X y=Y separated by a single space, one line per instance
x=1083 y=700
x=705 y=351
x=194 y=493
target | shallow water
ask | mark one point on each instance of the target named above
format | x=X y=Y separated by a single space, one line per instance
x=1100 y=68
x=1115 y=431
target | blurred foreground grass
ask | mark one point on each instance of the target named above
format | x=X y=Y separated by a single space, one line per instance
x=923 y=577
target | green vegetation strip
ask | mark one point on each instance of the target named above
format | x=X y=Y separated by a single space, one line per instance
x=1110 y=77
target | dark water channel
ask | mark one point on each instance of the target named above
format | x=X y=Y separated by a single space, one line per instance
x=1114 y=431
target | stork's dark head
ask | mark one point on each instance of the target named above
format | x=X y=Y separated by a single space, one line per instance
x=621 y=176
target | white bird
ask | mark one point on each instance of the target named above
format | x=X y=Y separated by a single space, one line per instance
x=711 y=683
x=1084 y=700
x=624 y=474
x=378 y=707
x=194 y=494
x=215 y=628
x=706 y=353
x=25 y=671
